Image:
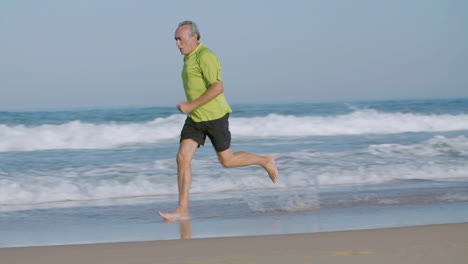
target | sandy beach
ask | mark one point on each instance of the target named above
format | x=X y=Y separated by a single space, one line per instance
x=419 y=244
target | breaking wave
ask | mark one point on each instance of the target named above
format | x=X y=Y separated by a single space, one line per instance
x=83 y=135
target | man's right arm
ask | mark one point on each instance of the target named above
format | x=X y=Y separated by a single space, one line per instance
x=209 y=65
x=211 y=93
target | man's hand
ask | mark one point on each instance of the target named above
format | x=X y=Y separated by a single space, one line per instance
x=214 y=90
x=185 y=107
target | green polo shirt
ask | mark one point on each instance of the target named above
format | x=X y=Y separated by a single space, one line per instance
x=201 y=69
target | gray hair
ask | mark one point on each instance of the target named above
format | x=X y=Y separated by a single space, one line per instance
x=193 y=28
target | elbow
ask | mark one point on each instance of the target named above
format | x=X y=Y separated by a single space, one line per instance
x=219 y=87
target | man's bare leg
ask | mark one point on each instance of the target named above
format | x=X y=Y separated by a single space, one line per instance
x=241 y=159
x=185 y=155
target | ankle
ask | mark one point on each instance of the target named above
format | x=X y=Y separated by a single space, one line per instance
x=182 y=210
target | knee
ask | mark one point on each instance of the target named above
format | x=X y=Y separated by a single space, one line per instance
x=225 y=162
x=183 y=158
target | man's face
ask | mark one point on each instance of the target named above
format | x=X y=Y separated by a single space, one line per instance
x=184 y=41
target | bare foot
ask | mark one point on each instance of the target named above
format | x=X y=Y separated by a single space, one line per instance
x=174 y=216
x=271 y=168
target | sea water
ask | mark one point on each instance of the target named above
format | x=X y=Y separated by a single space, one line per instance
x=100 y=175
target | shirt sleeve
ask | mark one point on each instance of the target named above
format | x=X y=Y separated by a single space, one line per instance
x=210 y=68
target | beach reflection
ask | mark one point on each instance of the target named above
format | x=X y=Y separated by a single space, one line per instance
x=185 y=229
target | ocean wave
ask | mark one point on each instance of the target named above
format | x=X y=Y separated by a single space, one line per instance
x=158 y=178
x=79 y=135
x=367 y=121
x=82 y=135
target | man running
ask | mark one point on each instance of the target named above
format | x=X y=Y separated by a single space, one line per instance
x=208 y=114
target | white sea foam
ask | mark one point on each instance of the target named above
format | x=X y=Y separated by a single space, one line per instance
x=454 y=197
x=81 y=135
x=437 y=146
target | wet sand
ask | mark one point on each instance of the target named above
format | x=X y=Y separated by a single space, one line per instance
x=419 y=244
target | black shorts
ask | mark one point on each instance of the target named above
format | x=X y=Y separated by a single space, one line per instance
x=217 y=130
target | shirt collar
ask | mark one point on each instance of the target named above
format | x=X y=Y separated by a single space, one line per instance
x=198 y=47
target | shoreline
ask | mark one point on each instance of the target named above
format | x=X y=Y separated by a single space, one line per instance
x=134 y=223
x=445 y=243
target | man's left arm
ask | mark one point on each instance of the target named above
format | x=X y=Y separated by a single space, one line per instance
x=214 y=90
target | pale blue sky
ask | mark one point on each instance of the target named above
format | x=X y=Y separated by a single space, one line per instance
x=101 y=53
